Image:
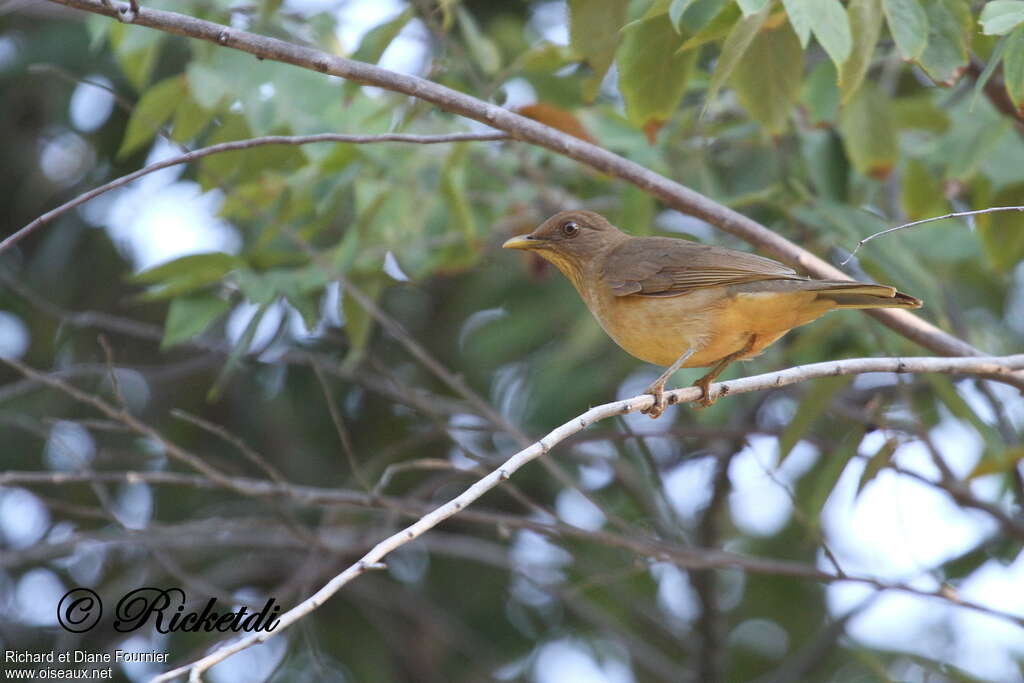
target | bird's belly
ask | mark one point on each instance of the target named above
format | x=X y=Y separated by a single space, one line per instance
x=714 y=322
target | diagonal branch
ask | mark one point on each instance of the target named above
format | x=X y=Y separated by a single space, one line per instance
x=520 y=127
x=373 y=559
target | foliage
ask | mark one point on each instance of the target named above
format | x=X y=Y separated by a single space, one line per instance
x=824 y=120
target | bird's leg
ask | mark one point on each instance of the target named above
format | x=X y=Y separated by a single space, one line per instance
x=705 y=382
x=657 y=388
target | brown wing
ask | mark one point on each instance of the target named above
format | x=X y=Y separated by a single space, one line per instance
x=665 y=266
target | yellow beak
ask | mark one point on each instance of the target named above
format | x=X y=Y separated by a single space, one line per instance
x=522 y=242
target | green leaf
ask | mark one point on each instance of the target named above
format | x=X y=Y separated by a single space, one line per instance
x=1002 y=233
x=481 y=48
x=214 y=263
x=865 y=25
x=832 y=29
x=716 y=29
x=921 y=112
x=652 y=75
x=377 y=39
x=453 y=188
x=359 y=323
x=799 y=13
x=190 y=119
x=189 y=316
x=869 y=136
x=999 y=17
x=945 y=57
x=136 y=48
x=1013 y=67
x=675 y=12
x=908 y=24
x=767 y=79
x=594 y=36
x=823 y=478
x=152 y=110
x=920 y=192
x=186 y=275
x=245 y=165
x=877 y=463
x=750 y=7
x=815 y=402
x=944 y=389
x=702 y=12
x=235 y=357
x=990 y=68
x=827 y=164
x=735 y=46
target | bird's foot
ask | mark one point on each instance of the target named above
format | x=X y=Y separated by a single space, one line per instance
x=704 y=383
x=657 y=390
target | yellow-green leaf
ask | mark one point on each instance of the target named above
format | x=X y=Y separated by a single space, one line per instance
x=716 y=29
x=190 y=119
x=594 y=36
x=652 y=75
x=1002 y=233
x=997 y=465
x=1013 y=67
x=877 y=463
x=736 y=45
x=481 y=48
x=152 y=110
x=814 y=403
x=676 y=11
x=921 y=192
x=767 y=79
x=945 y=56
x=865 y=25
x=869 y=136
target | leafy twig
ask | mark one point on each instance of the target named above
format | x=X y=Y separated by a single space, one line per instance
x=233 y=146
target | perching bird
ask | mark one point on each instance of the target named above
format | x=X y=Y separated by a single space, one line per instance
x=677 y=303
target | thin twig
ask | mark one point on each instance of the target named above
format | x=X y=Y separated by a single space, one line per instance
x=340 y=428
x=760 y=382
x=958 y=214
x=234 y=146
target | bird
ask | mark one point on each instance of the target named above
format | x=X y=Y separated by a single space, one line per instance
x=682 y=304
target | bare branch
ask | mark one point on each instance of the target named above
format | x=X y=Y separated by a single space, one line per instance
x=988 y=365
x=672 y=193
x=234 y=146
x=958 y=214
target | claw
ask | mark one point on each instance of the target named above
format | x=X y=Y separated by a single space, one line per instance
x=657 y=390
x=705 y=386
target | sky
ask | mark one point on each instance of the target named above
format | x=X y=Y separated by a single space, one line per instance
x=894 y=529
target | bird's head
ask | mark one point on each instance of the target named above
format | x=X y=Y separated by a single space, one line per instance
x=570 y=240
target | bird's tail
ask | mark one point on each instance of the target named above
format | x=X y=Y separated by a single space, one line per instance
x=859 y=295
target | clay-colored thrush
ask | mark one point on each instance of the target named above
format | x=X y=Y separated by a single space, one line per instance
x=672 y=302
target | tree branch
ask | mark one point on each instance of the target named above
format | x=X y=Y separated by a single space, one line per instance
x=520 y=127
x=373 y=558
x=234 y=146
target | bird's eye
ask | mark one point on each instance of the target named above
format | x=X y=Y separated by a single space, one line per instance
x=570 y=228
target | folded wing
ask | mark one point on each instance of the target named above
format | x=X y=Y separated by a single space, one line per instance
x=661 y=266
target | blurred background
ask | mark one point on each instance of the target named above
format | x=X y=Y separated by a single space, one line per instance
x=230 y=312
